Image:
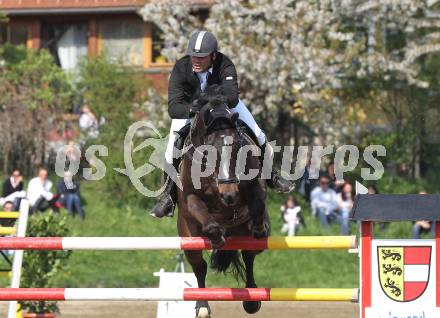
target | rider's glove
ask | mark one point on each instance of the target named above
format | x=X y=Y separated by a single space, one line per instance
x=195 y=107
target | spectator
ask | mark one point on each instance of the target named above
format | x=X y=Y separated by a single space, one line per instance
x=8 y=206
x=13 y=189
x=88 y=122
x=324 y=202
x=420 y=227
x=345 y=204
x=68 y=191
x=72 y=157
x=13 y=184
x=372 y=189
x=39 y=195
x=291 y=217
x=334 y=183
x=306 y=184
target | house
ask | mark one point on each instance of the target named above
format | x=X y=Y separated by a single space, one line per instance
x=73 y=29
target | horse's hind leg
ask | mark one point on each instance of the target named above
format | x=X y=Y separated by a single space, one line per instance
x=251 y=307
x=199 y=266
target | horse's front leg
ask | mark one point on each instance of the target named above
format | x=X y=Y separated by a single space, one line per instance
x=260 y=226
x=251 y=307
x=199 y=266
x=199 y=211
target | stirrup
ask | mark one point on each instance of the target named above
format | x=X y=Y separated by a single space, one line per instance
x=164 y=207
x=280 y=184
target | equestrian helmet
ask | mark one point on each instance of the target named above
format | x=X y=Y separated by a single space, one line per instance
x=201 y=44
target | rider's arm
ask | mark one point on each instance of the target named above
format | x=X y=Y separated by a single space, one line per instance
x=178 y=108
x=228 y=77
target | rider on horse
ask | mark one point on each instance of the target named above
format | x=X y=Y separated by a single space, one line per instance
x=203 y=65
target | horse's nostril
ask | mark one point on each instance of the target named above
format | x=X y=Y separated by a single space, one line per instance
x=229 y=198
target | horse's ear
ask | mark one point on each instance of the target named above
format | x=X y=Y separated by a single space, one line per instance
x=234 y=117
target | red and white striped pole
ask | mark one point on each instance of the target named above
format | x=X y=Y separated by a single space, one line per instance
x=176 y=243
x=186 y=294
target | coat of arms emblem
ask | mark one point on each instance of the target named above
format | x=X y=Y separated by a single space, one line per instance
x=404 y=271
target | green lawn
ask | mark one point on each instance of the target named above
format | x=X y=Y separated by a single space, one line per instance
x=310 y=268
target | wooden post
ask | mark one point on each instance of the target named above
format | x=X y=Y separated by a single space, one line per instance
x=365 y=269
x=34 y=34
x=148 y=44
x=93 y=38
x=437 y=265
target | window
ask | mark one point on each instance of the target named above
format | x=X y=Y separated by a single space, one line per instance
x=158 y=44
x=122 y=40
x=67 y=42
x=14 y=33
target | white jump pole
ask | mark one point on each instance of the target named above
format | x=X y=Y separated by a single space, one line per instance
x=18 y=255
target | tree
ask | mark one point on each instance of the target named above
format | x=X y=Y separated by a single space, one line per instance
x=305 y=61
x=34 y=92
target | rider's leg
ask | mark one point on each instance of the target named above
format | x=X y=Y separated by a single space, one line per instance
x=245 y=115
x=167 y=201
x=276 y=181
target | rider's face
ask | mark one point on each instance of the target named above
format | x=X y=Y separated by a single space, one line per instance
x=201 y=64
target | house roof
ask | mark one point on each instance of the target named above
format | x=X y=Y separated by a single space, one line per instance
x=17 y=5
x=396 y=207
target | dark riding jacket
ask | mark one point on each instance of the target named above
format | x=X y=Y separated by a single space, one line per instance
x=184 y=85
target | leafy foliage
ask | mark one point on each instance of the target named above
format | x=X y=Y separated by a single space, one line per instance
x=115 y=92
x=41 y=266
x=34 y=92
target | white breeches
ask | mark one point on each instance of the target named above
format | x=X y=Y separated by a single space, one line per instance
x=243 y=113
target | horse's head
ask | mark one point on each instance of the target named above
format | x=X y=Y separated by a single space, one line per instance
x=217 y=127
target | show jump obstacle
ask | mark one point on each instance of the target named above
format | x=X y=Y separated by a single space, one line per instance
x=398 y=278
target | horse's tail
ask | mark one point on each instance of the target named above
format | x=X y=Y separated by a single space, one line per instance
x=221 y=260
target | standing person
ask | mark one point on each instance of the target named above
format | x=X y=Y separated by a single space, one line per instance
x=88 y=122
x=202 y=66
x=345 y=204
x=38 y=193
x=290 y=214
x=68 y=191
x=324 y=201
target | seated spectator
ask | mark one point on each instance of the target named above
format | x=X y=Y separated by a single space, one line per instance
x=324 y=202
x=345 y=204
x=13 y=183
x=334 y=184
x=39 y=195
x=8 y=206
x=68 y=191
x=421 y=227
x=13 y=189
x=291 y=217
x=372 y=189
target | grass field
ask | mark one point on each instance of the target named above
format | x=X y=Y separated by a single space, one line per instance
x=312 y=268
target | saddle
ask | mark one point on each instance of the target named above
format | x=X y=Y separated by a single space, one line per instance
x=183 y=133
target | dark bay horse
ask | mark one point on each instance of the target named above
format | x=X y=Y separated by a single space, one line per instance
x=220 y=204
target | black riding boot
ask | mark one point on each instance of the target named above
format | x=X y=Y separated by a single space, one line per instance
x=276 y=181
x=167 y=201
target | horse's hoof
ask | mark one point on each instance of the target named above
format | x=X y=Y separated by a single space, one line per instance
x=215 y=233
x=260 y=231
x=203 y=312
x=252 y=307
x=218 y=244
